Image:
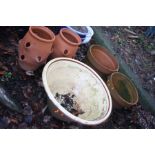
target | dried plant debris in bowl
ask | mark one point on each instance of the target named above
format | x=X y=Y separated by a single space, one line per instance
x=69 y=103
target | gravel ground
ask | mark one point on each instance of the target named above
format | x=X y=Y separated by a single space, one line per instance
x=136 y=52
x=33 y=101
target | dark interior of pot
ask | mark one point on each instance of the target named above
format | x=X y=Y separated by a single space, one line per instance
x=103 y=58
x=70 y=37
x=41 y=33
x=124 y=88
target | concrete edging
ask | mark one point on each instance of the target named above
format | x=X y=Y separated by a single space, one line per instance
x=145 y=99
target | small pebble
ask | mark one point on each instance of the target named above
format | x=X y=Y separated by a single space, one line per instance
x=46 y=119
x=73 y=127
x=27 y=110
x=22 y=126
x=3 y=122
x=29 y=73
x=28 y=119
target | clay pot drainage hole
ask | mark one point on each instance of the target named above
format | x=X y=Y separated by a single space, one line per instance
x=28 y=44
x=65 y=52
x=22 y=57
x=38 y=59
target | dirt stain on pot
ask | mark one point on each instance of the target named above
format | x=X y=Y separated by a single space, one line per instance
x=123 y=90
x=69 y=103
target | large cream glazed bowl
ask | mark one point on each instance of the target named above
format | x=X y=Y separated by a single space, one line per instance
x=66 y=75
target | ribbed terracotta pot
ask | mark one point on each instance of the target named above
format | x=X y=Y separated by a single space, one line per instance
x=35 y=47
x=102 y=60
x=66 y=44
x=122 y=90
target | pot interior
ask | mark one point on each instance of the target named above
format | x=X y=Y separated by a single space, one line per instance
x=41 y=33
x=70 y=37
x=124 y=88
x=83 y=86
x=104 y=59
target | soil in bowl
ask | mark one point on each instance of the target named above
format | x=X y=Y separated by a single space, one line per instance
x=68 y=102
x=81 y=29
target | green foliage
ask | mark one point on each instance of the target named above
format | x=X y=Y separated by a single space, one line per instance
x=6 y=76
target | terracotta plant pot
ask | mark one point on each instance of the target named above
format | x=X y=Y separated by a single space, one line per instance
x=66 y=44
x=102 y=60
x=35 y=47
x=123 y=91
x=87 y=92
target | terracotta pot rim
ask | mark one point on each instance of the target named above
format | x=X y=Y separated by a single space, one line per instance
x=76 y=36
x=109 y=55
x=136 y=92
x=48 y=31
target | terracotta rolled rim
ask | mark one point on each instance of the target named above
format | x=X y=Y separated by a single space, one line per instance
x=73 y=34
x=111 y=56
x=129 y=81
x=46 y=30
